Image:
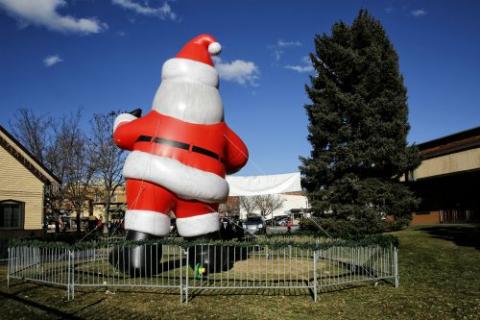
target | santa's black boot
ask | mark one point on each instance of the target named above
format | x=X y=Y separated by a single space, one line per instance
x=139 y=261
x=206 y=258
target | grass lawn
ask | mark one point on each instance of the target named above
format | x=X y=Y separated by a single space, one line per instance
x=440 y=279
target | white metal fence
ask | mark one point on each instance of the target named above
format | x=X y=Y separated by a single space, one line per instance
x=261 y=267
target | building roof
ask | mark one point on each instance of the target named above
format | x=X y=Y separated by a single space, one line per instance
x=456 y=142
x=26 y=158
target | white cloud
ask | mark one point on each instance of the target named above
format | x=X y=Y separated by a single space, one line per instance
x=299 y=68
x=51 y=60
x=284 y=44
x=277 y=54
x=278 y=48
x=44 y=13
x=239 y=71
x=306 y=66
x=163 y=12
x=418 y=13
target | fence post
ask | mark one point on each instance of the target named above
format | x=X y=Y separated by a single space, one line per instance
x=395 y=267
x=71 y=276
x=68 y=276
x=9 y=258
x=185 y=287
x=315 y=275
x=181 y=273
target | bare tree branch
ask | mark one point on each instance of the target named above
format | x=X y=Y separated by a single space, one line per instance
x=248 y=204
x=70 y=158
x=267 y=204
x=33 y=132
x=107 y=159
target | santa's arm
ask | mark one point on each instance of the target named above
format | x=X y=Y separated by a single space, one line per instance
x=236 y=153
x=125 y=131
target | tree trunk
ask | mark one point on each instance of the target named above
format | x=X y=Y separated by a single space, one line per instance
x=106 y=222
x=79 y=212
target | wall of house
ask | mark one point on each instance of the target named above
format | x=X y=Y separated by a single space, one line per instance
x=450 y=163
x=430 y=217
x=18 y=183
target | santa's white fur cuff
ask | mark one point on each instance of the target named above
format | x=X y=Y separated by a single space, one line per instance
x=151 y=222
x=198 y=225
x=186 y=182
x=123 y=117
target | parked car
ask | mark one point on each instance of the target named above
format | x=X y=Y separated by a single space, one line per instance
x=282 y=222
x=277 y=221
x=254 y=224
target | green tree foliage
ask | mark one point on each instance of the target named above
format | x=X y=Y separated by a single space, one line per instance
x=358 y=126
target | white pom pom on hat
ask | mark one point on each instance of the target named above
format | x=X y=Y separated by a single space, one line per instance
x=214 y=48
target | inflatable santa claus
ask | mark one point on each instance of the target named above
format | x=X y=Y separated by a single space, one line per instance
x=180 y=153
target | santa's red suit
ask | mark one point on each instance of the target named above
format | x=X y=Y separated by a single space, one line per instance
x=181 y=150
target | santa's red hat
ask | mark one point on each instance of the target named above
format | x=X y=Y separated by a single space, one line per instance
x=194 y=62
x=200 y=49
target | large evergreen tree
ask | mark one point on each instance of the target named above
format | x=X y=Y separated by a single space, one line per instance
x=358 y=127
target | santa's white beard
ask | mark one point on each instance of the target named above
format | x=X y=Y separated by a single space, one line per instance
x=189 y=101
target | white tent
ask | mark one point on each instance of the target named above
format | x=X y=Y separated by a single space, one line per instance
x=261 y=185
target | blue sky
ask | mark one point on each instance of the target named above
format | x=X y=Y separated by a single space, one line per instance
x=57 y=56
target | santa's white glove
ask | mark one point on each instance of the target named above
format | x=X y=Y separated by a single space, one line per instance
x=122 y=118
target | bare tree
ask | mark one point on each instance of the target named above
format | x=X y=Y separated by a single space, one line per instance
x=267 y=204
x=107 y=159
x=33 y=131
x=248 y=204
x=70 y=159
x=76 y=159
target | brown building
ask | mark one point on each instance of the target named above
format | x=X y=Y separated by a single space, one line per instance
x=24 y=187
x=96 y=204
x=448 y=179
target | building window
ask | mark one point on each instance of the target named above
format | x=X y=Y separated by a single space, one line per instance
x=12 y=214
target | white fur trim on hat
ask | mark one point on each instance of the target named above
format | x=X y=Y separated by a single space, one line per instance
x=198 y=225
x=151 y=222
x=186 y=182
x=189 y=101
x=214 y=48
x=190 y=70
x=123 y=117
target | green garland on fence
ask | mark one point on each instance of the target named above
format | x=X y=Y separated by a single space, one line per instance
x=372 y=240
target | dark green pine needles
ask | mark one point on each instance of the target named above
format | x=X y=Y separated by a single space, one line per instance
x=358 y=126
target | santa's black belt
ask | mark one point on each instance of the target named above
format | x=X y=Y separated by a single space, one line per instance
x=180 y=145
